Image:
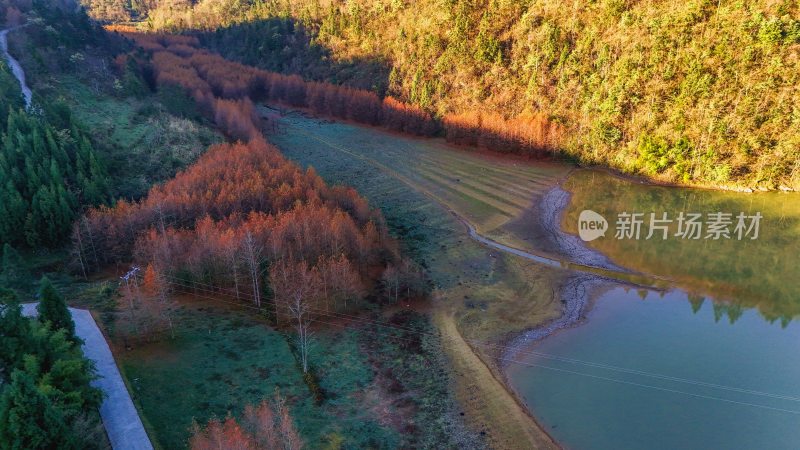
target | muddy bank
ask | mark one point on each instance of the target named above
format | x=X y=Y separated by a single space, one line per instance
x=580 y=288
x=576 y=296
x=550 y=212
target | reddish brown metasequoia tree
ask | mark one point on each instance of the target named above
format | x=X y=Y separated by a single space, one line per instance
x=267 y=426
x=177 y=60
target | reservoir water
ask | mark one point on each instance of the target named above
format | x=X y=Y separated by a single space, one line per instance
x=664 y=373
x=712 y=364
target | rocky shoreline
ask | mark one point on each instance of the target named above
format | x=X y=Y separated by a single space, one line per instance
x=577 y=294
x=579 y=288
x=549 y=213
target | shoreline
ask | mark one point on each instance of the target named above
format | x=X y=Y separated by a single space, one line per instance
x=549 y=214
x=640 y=179
x=577 y=294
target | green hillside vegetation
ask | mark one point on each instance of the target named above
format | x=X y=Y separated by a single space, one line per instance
x=695 y=92
x=48 y=170
x=80 y=85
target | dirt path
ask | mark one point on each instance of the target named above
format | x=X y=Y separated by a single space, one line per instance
x=120 y=418
x=490 y=407
x=15 y=67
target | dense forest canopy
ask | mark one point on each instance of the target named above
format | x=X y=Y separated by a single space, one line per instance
x=239 y=222
x=697 y=92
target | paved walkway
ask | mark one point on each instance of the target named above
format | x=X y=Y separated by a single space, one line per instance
x=16 y=69
x=120 y=418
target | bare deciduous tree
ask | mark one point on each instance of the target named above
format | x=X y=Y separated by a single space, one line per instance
x=296 y=288
x=252 y=254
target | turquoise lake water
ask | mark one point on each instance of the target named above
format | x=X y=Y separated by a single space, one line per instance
x=666 y=373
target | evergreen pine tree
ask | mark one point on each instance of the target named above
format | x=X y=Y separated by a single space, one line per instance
x=13 y=210
x=55 y=173
x=34 y=181
x=52 y=308
x=12 y=272
x=15 y=330
x=45 y=176
x=29 y=419
x=10 y=94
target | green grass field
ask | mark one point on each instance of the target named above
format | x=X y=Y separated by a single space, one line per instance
x=223 y=359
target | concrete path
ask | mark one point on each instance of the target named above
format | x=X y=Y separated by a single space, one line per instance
x=16 y=69
x=120 y=418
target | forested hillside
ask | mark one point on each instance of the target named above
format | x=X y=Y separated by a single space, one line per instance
x=49 y=168
x=698 y=92
x=121 y=146
x=48 y=172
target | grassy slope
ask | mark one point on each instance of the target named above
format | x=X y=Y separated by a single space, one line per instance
x=699 y=92
x=480 y=294
x=143 y=143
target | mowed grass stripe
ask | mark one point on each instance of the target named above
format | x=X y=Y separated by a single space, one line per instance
x=469 y=188
x=462 y=195
x=526 y=189
x=518 y=196
x=468 y=206
x=389 y=171
x=521 y=169
x=515 y=186
x=385 y=148
x=406 y=147
x=533 y=180
x=465 y=190
x=468 y=162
